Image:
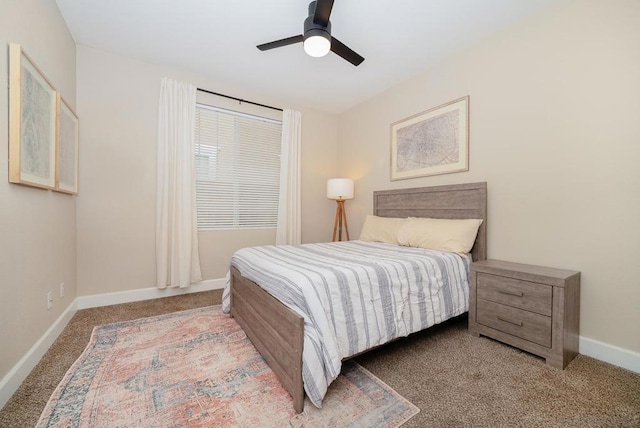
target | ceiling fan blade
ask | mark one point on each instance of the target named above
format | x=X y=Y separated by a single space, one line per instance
x=345 y=52
x=280 y=43
x=323 y=11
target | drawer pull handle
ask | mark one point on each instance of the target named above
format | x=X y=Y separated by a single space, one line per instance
x=512 y=293
x=518 y=323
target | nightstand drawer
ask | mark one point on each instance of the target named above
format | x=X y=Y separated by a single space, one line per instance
x=512 y=292
x=526 y=325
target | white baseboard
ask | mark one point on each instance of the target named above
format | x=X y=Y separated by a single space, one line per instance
x=12 y=380
x=610 y=354
x=97 y=300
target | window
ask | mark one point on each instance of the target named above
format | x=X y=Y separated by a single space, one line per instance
x=237 y=160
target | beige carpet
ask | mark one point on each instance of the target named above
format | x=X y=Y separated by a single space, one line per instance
x=454 y=378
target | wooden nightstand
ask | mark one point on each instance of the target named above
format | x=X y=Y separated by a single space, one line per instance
x=534 y=308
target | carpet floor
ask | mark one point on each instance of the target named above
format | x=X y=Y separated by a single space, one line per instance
x=455 y=378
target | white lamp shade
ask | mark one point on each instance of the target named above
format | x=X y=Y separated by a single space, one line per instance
x=317 y=46
x=340 y=188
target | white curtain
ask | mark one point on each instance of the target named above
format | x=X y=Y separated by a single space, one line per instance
x=177 y=257
x=288 y=231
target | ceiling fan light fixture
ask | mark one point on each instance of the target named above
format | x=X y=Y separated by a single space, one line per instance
x=317 y=45
x=316 y=37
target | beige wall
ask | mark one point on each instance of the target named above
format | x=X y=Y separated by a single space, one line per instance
x=118 y=101
x=555 y=131
x=37 y=227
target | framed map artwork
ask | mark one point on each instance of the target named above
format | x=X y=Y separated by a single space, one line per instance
x=32 y=123
x=67 y=149
x=432 y=142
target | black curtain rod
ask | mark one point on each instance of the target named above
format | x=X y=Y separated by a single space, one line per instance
x=240 y=100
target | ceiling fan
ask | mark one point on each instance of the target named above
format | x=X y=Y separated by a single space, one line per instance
x=317 y=37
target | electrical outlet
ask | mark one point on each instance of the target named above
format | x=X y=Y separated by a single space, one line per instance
x=49 y=300
x=61 y=289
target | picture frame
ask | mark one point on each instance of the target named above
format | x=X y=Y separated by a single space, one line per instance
x=433 y=142
x=67 y=144
x=32 y=122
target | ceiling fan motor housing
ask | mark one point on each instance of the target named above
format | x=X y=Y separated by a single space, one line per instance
x=313 y=29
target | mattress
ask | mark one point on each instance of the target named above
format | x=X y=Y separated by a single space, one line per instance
x=355 y=295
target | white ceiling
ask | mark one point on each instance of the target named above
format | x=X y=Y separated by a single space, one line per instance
x=218 y=38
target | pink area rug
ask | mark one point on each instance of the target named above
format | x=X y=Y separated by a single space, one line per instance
x=197 y=368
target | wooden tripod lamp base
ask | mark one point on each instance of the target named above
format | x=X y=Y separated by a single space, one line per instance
x=340 y=189
x=341 y=217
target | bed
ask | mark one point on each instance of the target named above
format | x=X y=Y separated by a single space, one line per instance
x=279 y=333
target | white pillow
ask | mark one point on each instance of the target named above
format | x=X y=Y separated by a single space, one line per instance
x=381 y=229
x=456 y=236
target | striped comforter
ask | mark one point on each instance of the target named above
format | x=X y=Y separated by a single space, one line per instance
x=355 y=295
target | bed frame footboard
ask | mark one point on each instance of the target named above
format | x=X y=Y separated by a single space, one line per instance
x=275 y=331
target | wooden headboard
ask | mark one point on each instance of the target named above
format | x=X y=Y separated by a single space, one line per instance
x=456 y=201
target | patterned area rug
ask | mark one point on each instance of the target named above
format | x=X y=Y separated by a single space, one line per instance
x=197 y=368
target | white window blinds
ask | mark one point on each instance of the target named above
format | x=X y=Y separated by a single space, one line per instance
x=237 y=169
